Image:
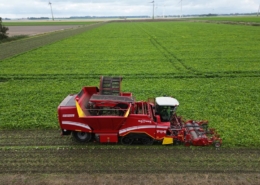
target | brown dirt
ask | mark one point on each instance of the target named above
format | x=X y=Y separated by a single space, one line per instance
x=39 y=157
x=45 y=151
x=35 y=30
x=118 y=179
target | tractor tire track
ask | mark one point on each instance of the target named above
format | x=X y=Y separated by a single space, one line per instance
x=173 y=59
x=179 y=65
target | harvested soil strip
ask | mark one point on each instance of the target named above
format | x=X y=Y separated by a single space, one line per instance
x=130 y=179
x=133 y=160
x=14 y=48
x=23 y=138
x=35 y=30
x=44 y=151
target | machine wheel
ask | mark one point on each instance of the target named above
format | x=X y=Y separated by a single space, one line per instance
x=217 y=144
x=81 y=136
x=126 y=140
x=147 y=141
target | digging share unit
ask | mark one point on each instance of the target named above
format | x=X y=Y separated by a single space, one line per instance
x=107 y=115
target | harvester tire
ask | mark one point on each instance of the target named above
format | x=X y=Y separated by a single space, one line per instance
x=81 y=137
x=217 y=144
x=127 y=140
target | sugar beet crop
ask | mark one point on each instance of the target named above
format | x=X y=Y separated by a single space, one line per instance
x=212 y=69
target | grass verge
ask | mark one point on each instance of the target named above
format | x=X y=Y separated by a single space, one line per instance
x=13 y=38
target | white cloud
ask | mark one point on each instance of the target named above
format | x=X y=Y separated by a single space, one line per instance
x=66 y=8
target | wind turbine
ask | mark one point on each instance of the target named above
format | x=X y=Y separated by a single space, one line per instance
x=51 y=10
x=156 y=10
x=153 y=8
x=163 y=10
x=258 y=10
x=181 y=8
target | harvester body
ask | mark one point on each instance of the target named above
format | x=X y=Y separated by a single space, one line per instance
x=107 y=115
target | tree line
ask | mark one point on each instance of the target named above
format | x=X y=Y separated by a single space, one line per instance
x=3 y=30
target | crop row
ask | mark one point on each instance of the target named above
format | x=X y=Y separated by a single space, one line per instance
x=165 y=47
x=127 y=160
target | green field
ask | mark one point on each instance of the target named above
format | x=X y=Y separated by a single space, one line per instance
x=212 y=69
x=233 y=18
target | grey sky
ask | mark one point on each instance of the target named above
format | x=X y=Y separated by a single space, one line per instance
x=66 y=8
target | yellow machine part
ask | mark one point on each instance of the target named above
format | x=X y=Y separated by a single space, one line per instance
x=127 y=112
x=80 y=111
x=167 y=140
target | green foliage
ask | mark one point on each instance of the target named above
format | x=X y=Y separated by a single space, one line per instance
x=3 y=30
x=212 y=69
x=233 y=18
x=13 y=38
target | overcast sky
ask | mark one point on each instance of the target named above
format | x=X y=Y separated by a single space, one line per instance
x=67 y=8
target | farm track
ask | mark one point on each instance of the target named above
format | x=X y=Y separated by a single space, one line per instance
x=11 y=49
x=45 y=151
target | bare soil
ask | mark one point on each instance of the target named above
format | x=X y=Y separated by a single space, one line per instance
x=35 y=30
x=123 y=178
x=45 y=157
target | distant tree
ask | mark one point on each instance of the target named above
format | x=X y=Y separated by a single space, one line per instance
x=3 y=30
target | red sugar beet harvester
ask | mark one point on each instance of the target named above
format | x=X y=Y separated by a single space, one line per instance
x=107 y=115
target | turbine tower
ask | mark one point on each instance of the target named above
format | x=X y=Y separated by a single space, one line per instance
x=258 y=10
x=153 y=8
x=181 y=8
x=51 y=10
x=163 y=10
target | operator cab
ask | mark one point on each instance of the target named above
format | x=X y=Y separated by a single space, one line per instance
x=165 y=107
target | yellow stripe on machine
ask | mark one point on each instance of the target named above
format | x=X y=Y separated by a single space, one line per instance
x=80 y=111
x=167 y=140
x=127 y=112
